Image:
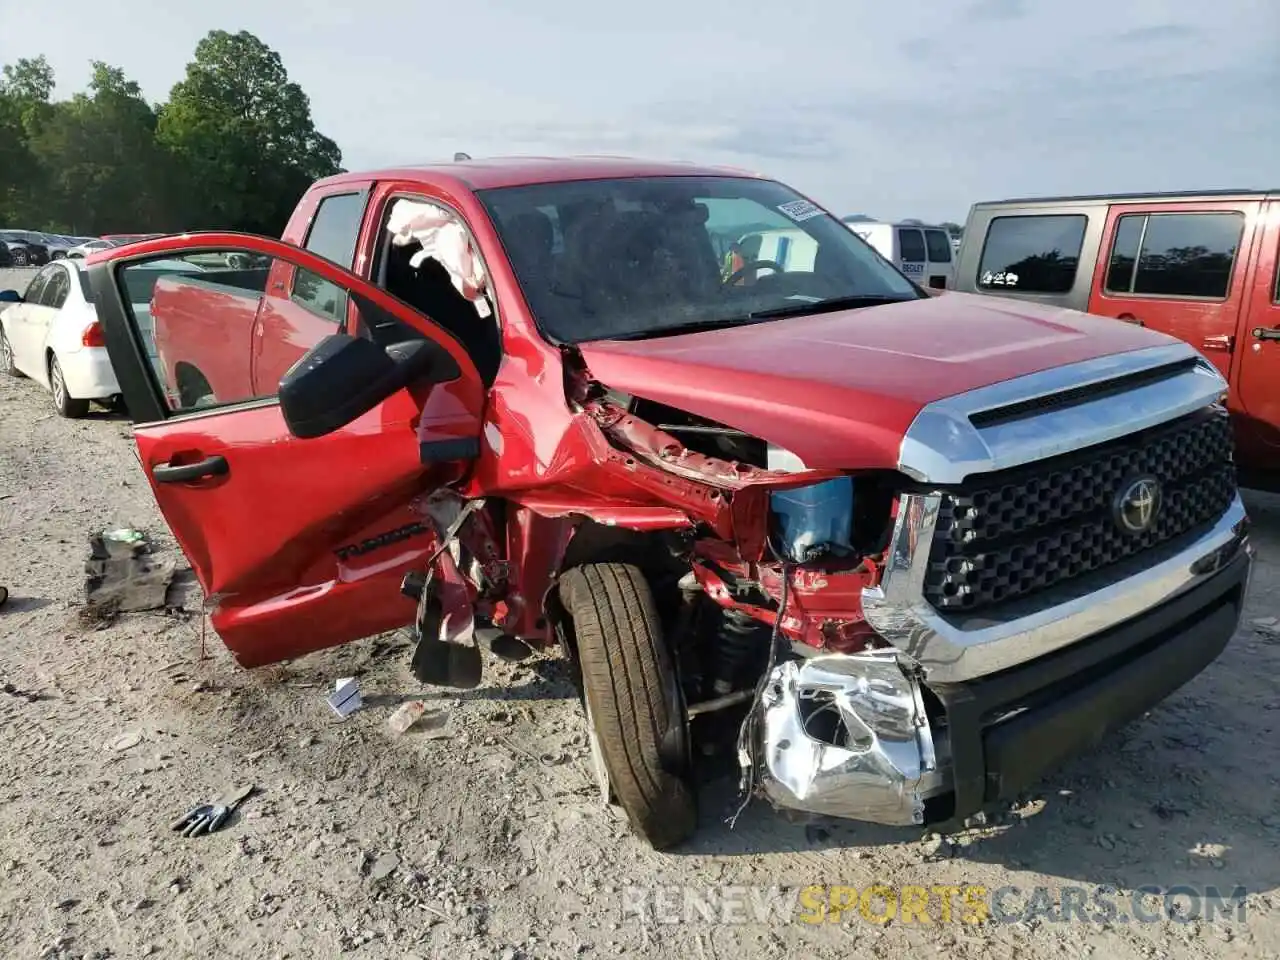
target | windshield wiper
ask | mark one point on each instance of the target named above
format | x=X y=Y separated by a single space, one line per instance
x=825 y=306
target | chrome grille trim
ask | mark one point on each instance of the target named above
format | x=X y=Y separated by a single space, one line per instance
x=943 y=446
x=951 y=651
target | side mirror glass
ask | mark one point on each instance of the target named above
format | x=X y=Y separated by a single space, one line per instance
x=343 y=377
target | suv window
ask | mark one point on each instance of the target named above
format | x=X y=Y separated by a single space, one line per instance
x=334 y=231
x=56 y=290
x=1176 y=254
x=911 y=246
x=1033 y=254
x=939 y=245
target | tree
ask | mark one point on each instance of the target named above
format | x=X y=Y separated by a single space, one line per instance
x=29 y=80
x=105 y=171
x=25 y=90
x=243 y=133
x=234 y=148
x=954 y=230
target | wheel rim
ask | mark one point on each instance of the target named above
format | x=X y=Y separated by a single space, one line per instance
x=598 y=769
x=55 y=383
x=6 y=352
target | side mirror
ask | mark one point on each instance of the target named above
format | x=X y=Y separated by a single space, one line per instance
x=10 y=296
x=343 y=377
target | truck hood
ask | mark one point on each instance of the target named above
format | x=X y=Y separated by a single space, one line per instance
x=840 y=389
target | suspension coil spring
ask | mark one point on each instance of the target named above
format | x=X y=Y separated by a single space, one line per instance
x=738 y=642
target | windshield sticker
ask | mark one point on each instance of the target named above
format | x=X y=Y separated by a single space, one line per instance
x=800 y=210
x=1004 y=279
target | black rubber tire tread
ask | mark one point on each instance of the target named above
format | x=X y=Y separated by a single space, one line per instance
x=626 y=670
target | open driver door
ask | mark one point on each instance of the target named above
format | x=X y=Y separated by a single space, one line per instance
x=300 y=537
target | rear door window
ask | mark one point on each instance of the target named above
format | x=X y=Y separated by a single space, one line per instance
x=56 y=290
x=35 y=289
x=334 y=231
x=1179 y=255
x=1032 y=254
x=911 y=246
x=939 y=246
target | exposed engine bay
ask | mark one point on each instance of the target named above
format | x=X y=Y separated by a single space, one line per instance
x=778 y=668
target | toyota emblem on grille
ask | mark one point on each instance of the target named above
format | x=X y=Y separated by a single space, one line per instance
x=1138 y=505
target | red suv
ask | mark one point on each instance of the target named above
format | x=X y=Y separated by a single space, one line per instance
x=1203 y=267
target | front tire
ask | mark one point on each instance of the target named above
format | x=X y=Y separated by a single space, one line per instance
x=66 y=405
x=632 y=697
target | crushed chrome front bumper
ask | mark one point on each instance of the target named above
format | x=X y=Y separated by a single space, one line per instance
x=847 y=736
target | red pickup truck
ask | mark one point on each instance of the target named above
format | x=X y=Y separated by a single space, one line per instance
x=907 y=552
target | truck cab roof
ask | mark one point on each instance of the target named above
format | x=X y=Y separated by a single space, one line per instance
x=493 y=172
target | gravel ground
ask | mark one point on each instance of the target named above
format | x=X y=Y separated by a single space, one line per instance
x=484 y=838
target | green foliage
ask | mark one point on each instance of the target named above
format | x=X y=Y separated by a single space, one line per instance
x=234 y=147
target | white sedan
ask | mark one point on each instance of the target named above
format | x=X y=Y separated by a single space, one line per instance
x=52 y=335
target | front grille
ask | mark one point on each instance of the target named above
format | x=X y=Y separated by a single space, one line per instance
x=1017 y=532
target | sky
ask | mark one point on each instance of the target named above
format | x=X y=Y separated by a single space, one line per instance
x=867 y=106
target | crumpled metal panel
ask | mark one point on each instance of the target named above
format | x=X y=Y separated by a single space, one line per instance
x=847 y=736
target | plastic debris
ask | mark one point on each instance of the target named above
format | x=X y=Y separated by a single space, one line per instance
x=125 y=535
x=345 y=699
x=125 y=741
x=406 y=715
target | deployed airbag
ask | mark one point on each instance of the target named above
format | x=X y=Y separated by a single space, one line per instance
x=444 y=239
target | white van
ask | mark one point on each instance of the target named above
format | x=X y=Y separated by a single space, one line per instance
x=921 y=251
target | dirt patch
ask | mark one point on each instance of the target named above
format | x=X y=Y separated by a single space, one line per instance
x=484 y=836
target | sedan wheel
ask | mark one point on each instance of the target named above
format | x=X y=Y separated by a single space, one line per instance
x=7 y=365
x=63 y=402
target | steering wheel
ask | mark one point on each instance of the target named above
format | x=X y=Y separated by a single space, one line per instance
x=752 y=267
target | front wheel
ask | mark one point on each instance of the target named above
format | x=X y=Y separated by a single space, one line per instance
x=633 y=701
x=63 y=402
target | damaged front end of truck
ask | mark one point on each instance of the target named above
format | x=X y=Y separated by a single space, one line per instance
x=904 y=641
x=776 y=658
x=1051 y=557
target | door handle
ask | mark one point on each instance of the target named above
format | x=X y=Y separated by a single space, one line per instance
x=1266 y=333
x=1223 y=341
x=215 y=466
x=1130 y=318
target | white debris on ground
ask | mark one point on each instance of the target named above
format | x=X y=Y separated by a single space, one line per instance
x=478 y=831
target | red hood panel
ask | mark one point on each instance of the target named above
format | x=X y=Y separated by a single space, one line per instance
x=840 y=389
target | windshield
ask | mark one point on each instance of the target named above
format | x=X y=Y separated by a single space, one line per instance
x=637 y=257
